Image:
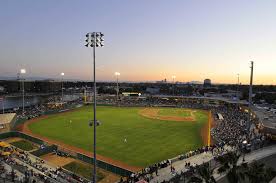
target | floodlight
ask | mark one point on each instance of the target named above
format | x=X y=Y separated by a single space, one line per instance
x=94 y=39
x=23 y=71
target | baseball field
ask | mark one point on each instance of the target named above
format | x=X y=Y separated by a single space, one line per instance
x=136 y=137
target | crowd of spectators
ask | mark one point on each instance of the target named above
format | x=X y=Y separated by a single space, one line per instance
x=35 y=169
x=49 y=105
x=232 y=128
x=230 y=131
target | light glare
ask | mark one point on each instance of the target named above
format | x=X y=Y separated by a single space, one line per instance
x=23 y=71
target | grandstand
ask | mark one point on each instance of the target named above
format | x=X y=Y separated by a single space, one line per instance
x=6 y=121
x=228 y=128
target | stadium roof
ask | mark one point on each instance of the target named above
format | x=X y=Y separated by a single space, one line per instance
x=7 y=118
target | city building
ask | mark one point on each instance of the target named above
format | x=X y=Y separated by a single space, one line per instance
x=153 y=90
x=207 y=83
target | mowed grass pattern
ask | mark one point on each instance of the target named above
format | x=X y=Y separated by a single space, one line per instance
x=148 y=141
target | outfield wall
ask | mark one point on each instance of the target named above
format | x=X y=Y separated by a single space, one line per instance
x=101 y=164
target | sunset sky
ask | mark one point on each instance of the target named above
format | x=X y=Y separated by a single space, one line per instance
x=145 y=40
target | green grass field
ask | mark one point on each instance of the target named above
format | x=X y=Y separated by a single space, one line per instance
x=148 y=140
x=85 y=170
x=24 y=145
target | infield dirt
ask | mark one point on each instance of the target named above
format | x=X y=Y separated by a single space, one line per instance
x=153 y=113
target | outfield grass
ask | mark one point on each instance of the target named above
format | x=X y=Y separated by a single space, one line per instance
x=23 y=144
x=84 y=170
x=148 y=140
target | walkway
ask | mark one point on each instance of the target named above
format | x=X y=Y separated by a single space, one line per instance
x=165 y=173
x=253 y=156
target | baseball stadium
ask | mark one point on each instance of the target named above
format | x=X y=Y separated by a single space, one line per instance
x=136 y=135
x=133 y=137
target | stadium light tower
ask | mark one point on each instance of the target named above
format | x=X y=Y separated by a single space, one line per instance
x=94 y=39
x=173 y=77
x=62 y=75
x=250 y=95
x=117 y=74
x=23 y=71
x=238 y=85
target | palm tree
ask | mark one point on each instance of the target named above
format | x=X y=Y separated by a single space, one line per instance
x=195 y=179
x=229 y=164
x=205 y=173
x=176 y=178
x=254 y=172
x=270 y=174
x=258 y=173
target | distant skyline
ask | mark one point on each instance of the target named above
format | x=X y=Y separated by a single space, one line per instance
x=144 y=40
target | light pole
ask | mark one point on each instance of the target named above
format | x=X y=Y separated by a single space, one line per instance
x=23 y=71
x=238 y=85
x=244 y=143
x=117 y=74
x=173 y=77
x=94 y=39
x=62 y=74
x=250 y=96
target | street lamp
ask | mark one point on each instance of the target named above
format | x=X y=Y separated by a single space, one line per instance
x=244 y=143
x=117 y=74
x=23 y=71
x=94 y=39
x=62 y=74
x=173 y=77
